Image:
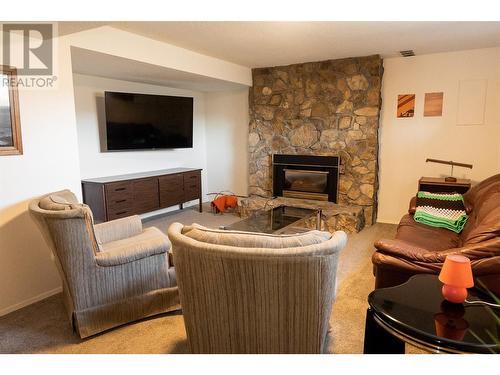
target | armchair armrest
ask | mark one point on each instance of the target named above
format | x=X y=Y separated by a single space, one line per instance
x=149 y=243
x=413 y=205
x=117 y=229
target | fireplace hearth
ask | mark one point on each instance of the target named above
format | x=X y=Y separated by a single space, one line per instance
x=306 y=177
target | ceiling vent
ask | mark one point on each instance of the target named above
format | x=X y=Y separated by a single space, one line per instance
x=407 y=53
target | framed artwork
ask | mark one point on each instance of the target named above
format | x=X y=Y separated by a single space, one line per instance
x=10 y=126
x=433 y=104
x=406 y=106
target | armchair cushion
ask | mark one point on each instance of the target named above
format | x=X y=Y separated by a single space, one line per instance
x=148 y=243
x=118 y=229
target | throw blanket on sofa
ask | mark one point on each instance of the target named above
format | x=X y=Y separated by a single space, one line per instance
x=443 y=210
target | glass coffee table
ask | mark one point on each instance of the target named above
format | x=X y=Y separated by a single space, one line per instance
x=415 y=313
x=278 y=220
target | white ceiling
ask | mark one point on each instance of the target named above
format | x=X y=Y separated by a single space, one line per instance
x=261 y=44
x=109 y=66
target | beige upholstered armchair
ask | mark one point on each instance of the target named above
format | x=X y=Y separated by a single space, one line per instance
x=112 y=273
x=255 y=293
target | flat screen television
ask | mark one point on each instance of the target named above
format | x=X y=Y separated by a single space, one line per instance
x=147 y=122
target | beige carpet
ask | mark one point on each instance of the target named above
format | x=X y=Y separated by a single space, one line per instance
x=43 y=326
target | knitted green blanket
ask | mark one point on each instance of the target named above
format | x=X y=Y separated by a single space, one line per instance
x=443 y=210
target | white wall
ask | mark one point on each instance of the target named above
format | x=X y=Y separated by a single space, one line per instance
x=51 y=159
x=227 y=141
x=405 y=143
x=49 y=163
x=90 y=117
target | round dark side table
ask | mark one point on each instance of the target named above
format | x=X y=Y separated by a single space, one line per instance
x=416 y=313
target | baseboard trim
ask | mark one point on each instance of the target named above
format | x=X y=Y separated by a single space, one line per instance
x=384 y=221
x=30 y=301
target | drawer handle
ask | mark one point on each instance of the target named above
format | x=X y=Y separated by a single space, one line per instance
x=121 y=200
x=120 y=189
x=121 y=212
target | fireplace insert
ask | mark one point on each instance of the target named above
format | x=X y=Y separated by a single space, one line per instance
x=306 y=176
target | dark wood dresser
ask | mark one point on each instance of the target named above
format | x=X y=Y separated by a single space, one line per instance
x=114 y=197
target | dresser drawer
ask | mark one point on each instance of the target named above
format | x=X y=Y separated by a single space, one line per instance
x=145 y=195
x=171 y=182
x=119 y=204
x=192 y=185
x=119 y=190
x=192 y=177
x=118 y=214
x=171 y=189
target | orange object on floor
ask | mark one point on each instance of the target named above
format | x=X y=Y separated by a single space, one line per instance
x=220 y=204
x=231 y=201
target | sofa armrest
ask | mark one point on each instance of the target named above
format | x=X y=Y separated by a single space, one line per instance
x=400 y=248
x=408 y=251
x=413 y=205
x=149 y=243
x=118 y=229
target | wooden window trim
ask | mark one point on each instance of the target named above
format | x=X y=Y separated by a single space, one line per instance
x=17 y=147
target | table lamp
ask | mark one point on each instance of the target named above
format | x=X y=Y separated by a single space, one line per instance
x=456 y=275
x=450 y=178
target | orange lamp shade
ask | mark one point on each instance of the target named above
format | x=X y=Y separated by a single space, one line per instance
x=456 y=275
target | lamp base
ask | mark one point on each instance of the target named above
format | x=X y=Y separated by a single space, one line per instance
x=454 y=294
x=450 y=179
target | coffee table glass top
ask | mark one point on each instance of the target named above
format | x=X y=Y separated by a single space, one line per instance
x=279 y=219
x=418 y=310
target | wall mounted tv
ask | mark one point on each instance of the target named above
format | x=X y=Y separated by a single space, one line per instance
x=147 y=122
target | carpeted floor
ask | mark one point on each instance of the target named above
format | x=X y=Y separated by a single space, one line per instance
x=43 y=326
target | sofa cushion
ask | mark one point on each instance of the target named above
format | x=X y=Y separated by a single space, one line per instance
x=426 y=237
x=254 y=240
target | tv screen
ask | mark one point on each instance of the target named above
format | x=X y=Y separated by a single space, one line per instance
x=145 y=122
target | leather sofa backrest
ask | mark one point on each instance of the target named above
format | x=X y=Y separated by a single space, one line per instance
x=480 y=190
x=484 y=216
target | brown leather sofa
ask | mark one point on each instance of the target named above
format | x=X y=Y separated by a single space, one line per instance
x=420 y=248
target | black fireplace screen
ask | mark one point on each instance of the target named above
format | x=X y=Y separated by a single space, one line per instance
x=306 y=176
x=308 y=181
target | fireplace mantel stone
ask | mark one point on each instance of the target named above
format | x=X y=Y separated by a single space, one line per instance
x=319 y=108
x=349 y=218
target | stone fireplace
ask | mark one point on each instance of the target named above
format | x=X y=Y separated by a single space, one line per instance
x=306 y=177
x=329 y=108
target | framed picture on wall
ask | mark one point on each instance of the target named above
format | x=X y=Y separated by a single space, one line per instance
x=406 y=105
x=10 y=126
x=433 y=104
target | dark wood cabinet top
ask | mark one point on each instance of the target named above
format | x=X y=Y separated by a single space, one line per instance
x=442 y=181
x=136 y=176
